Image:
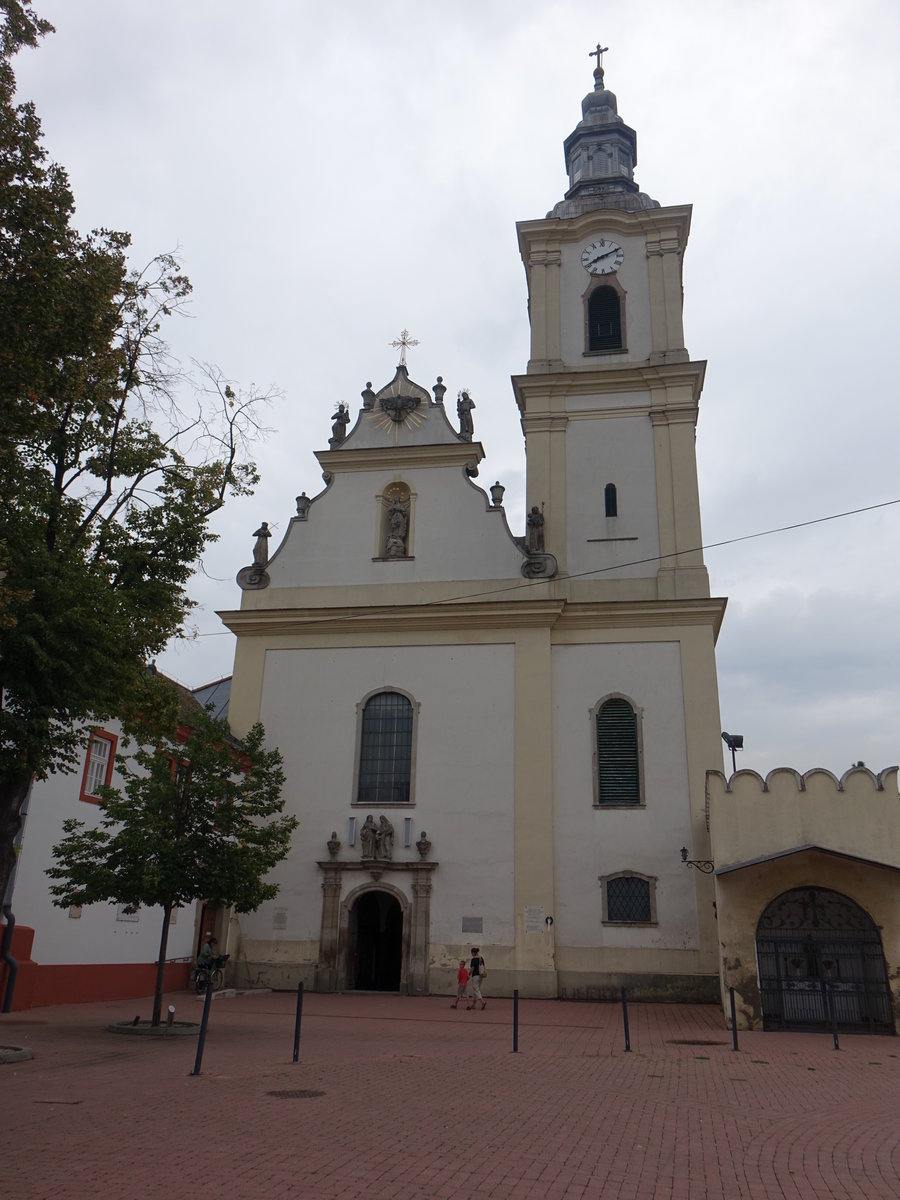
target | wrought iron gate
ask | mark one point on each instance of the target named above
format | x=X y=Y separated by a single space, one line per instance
x=818 y=954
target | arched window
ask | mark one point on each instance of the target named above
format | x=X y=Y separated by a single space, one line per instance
x=610 y=501
x=618 y=759
x=385 y=750
x=604 y=319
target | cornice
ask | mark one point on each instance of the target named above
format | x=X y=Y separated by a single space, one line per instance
x=642 y=614
x=668 y=227
x=641 y=377
x=558 y=615
x=388 y=458
x=405 y=618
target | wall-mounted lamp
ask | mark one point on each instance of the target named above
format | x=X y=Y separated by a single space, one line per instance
x=706 y=865
x=734 y=741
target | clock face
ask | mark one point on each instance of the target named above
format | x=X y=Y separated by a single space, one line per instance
x=602 y=257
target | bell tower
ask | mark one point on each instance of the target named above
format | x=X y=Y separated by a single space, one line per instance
x=610 y=397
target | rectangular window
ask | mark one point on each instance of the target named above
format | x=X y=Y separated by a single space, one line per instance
x=629 y=900
x=98 y=767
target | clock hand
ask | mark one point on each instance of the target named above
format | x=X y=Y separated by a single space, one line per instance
x=605 y=254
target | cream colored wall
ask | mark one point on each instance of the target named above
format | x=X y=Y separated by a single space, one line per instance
x=465 y=695
x=604 y=448
x=633 y=277
x=455 y=534
x=593 y=842
x=751 y=817
x=743 y=896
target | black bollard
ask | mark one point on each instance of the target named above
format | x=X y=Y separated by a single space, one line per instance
x=515 y=1020
x=734 y=1044
x=204 y=1021
x=625 y=1020
x=297 y=1021
x=829 y=1000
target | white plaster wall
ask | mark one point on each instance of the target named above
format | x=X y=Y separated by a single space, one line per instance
x=633 y=277
x=615 y=450
x=428 y=425
x=593 y=841
x=465 y=694
x=96 y=936
x=456 y=534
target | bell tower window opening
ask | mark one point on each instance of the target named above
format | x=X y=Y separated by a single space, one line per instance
x=610 y=501
x=604 y=310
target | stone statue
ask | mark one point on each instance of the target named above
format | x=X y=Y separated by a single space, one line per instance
x=333 y=844
x=367 y=837
x=341 y=419
x=384 y=840
x=398 y=526
x=261 y=549
x=303 y=503
x=534 y=523
x=464 y=406
x=368 y=397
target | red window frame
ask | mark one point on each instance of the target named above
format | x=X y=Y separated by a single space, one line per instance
x=98 y=735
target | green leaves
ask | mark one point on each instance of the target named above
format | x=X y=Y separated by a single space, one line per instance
x=200 y=817
x=112 y=462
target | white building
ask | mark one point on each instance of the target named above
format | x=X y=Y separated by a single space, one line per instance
x=544 y=709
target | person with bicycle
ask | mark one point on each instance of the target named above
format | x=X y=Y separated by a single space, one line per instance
x=206 y=959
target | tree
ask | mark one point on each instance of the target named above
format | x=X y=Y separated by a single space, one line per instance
x=199 y=818
x=108 y=475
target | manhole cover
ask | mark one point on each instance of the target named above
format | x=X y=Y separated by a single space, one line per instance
x=693 y=1042
x=11 y=1054
x=297 y=1094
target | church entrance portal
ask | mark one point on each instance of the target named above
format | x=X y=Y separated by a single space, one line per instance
x=375 y=943
x=820 y=954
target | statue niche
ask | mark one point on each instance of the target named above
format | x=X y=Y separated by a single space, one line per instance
x=394 y=531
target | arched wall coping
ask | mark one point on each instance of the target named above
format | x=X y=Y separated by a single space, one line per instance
x=879 y=781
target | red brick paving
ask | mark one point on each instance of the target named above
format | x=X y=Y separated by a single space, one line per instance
x=425 y=1103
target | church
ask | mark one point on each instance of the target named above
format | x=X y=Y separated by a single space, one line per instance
x=505 y=741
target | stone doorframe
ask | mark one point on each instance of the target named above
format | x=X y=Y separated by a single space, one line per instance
x=334 y=948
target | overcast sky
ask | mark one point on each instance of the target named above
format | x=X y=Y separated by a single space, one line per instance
x=335 y=173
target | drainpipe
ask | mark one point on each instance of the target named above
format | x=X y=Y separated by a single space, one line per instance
x=5 y=955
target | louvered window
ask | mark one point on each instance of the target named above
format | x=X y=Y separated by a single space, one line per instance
x=618 y=760
x=628 y=899
x=385 y=752
x=604 y=320
x=610 y=500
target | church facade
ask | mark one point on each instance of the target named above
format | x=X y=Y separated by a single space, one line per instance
x=513 y=742
x=493 y=740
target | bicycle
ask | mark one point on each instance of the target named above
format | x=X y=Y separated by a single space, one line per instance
x=212 y=976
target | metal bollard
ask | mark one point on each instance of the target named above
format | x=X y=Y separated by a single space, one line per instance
x=734 y=1044
x=297 y=1021
x=625 y=1020
x=204 y=1021
x=515 y=1020
x=832 y=1016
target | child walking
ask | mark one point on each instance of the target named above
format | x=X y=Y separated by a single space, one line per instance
x=462 y=979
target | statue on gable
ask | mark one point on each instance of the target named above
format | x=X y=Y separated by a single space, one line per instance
x=261 y=546
x=464 y=406
x=534 y=524
x=340 y=421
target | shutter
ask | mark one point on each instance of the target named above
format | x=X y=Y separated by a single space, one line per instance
x=604 y=320
x=617 y=754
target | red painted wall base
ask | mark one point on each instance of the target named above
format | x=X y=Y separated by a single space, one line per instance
x=72 y=983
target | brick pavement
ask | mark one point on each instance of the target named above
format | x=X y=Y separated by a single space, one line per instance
x=419 y=1101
